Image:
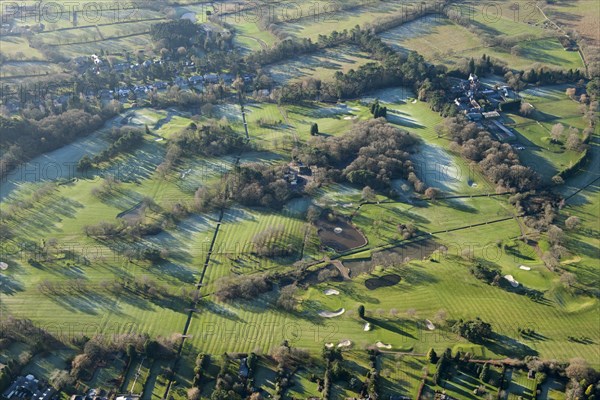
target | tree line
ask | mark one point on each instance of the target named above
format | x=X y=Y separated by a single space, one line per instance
x=497 y=161
x=24 y=138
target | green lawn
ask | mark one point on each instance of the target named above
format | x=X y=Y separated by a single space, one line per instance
x=443 y=41
x=426 y=287
x=402 y=374
x=251 y=38
x=520 y=386
x=551 y=106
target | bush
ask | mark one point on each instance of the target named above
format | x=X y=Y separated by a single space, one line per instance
x=245 y=287
x=475 y=331
x=286 y=299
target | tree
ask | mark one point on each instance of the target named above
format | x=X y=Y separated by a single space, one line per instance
x=432 y=193
x=85 y=163
x=578 y=369
x=568 y=279
x=432 y=356
x=557 y=132
x=573 y=140
x=207 y=109
x=550 y=260
x=193 y=393
x=368 y=194
x=131 y=352
x=361 y=311
x=286 y=299
x=151 y=347
x=60 y=379
x=484 y=376
x=314 y=129
x=555 y=235
x=475 y=331
x=526 y=109
x=313 y=214
x=572 y=222
x=81 y=363
x=558 y=180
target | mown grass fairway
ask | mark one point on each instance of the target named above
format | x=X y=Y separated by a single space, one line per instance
x=284 y=199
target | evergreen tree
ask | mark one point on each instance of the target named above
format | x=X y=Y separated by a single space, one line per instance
x=432 y=356
x=485 y=373
x=314 y=129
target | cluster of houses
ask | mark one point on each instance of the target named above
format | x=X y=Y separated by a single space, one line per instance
x=95 y=63
x=29 y=388
x=481 y=104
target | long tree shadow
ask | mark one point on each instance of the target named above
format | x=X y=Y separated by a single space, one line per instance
x=509 y=347
x=217 y=309
x=10 y=286
x=392 y=326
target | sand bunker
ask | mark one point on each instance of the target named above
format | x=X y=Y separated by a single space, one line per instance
x=511 y=280
x=367 y=327
x=524 y=268
x=414 y=101
x=338 y=230
x=345 y=343
x=430 y=325
x=382 y=345
x=329 y=345
x=329 y=314
x=3 y=266
x=350 y=117
x=331 y=292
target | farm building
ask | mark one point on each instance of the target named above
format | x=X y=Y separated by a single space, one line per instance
x=501 y=132
x=491 y=115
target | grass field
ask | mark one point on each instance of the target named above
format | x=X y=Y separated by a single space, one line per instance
x=320 y=65
x=551 y=106
x=461 y=383
x=327 y=18
x=426 y=287
x=49 y=243
x=442 y=41
x=579 y=15
x=16 y=47
x=60 y=15
x=401 y=374
x=251 y=38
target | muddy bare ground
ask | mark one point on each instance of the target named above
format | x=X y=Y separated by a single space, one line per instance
x=349 y=237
